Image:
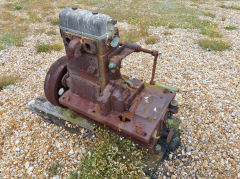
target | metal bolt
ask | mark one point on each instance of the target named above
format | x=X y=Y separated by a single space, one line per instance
x=158 y=147
x=174 y=103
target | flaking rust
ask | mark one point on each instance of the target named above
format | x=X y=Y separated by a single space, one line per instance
x=88 y=81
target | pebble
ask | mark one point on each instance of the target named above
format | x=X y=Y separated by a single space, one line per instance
x=16 y=142
x=71 y=152
x=30 y=169
x=26 y=164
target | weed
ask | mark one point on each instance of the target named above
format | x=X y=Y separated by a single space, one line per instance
x=51 y=32
x=152 y=40
x=17 y=6
x=171 y=26
x=167 y=33
x=57 y=46
x=132 y=36
x=10 y=39
x=230 y=7
x=43 y=47
x=112 y=156
x=55 y=169
x=211 y=31
x=6 y=80
x=209 y=14
x=230 y=27
x=36 y=19
x=55 y=21
x=40 y=30
x=235 y=7
x=216 y=45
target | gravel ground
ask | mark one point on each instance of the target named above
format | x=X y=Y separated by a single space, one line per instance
x=209 y=105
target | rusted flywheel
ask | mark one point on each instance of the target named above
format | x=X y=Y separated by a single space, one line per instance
x=53 y=87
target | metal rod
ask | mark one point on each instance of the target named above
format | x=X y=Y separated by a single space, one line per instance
x=152 y=52
x=154 y=69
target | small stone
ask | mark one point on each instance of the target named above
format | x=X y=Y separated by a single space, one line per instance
x=82 y=131
x=30 y=169
x=17 y=149
x=71 y=152
x=26 y=165
x=183 y=152
x=56 y=177
x=84 y=151
x=16 y=142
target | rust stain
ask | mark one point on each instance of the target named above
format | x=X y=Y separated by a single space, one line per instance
x=130 y=114
x=169 y=137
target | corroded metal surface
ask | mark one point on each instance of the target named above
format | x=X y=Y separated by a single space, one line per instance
x=52 y=83
x=88 y=80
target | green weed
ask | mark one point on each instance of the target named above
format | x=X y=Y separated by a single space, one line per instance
x=216 y=45
x=230 y=7
x=55 y=169
x=43 y=47
x=51 y=32
x=17 y=6
x=230 y=27
x=10 y=39
x=55 y=21
x=211 y=31
x=112 y=156
x=57 y=46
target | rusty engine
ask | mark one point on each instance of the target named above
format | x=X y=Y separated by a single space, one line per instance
x=88 y=80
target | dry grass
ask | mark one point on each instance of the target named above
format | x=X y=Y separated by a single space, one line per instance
x=209 y=14
x=152 y=40
x=132 y=35
x=51 y=32
x=6 y=80
x=167 y=33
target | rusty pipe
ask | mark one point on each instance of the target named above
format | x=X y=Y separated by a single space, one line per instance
x=154 y=53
